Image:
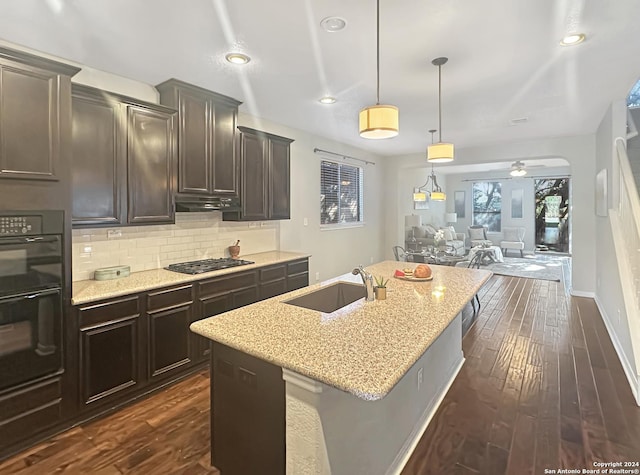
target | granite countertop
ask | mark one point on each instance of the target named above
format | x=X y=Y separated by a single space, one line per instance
x=363 y=348
x=85 y=291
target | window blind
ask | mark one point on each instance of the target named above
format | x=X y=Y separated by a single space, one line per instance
x=341 y=193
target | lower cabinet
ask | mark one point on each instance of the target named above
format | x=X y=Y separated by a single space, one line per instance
x=110 y=342
x=127 y=346
x=169 y=314
x=219 y=295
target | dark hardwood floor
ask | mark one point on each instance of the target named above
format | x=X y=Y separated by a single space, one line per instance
x=541 y=388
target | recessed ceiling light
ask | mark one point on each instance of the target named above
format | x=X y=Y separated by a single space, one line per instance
x=333 y=24
x=237 y=58
x=573 y=39
x=327 y=100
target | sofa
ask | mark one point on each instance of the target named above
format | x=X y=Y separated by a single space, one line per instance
x=423 y=236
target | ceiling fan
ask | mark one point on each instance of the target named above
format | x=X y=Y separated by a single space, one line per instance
x=518 y=168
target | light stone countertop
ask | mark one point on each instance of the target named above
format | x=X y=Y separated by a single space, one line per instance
x=85 y=291
x=363 y=348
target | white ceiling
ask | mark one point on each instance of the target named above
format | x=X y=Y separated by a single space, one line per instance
x=504 y=59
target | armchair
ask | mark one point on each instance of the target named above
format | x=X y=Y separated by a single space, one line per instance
x=512 y=238
x=478 y=236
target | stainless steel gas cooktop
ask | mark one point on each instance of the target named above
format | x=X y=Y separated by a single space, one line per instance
x=206 y=265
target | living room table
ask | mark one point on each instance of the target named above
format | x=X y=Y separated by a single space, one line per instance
x=489 y=254
x=436 y=257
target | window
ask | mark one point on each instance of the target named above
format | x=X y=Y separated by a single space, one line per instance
x=487 y=205
x=633 y=99
x=341 y=196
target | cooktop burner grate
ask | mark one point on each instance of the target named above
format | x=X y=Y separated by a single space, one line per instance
x=206 y=265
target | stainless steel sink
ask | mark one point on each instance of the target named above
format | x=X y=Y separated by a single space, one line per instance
x=330 y=298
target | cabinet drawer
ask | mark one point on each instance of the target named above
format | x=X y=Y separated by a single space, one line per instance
x=107 y=311
x=272 y=273
x=30 y=410
x=27 y=399
x=297 y=281
x=169 y=297
x=297 y=267
x=273 y=288
x=227 y=283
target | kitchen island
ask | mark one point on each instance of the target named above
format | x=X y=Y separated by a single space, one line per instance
x=360 y=383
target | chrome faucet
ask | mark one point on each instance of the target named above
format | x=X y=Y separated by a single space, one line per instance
x=367 y=279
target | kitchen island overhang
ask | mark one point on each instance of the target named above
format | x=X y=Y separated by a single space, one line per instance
x=370 y=350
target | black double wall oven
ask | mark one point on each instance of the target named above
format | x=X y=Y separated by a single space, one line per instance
x=31 y=295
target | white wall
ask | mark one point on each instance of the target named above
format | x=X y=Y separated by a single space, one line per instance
x=464 y=182
x=608 y=291
x=579 y=151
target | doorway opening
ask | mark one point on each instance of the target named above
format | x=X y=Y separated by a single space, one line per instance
x=552 y=215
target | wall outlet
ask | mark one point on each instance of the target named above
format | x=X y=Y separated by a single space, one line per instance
x=114 y=233
x=371 y=260
x=317 y=276
x=419 y=378
x=305 y=222
x=619 y=317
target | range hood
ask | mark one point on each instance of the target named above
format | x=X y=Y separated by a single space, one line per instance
x=206 y=203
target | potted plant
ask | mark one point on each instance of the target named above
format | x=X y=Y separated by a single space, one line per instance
x=381 y=288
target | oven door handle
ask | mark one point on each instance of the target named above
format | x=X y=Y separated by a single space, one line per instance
x=28 y=240
x=30 y=296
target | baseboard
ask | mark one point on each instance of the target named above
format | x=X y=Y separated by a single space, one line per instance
x=582 y=293
x=410 y=444
x=634 y=383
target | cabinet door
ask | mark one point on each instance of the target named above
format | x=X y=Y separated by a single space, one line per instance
x=29 y=132
x=279 y=188
x=110 y=344
x=225 y=162
x=254 y=173
x=169 y=340
x=170 y=313
x=194 y=152
x=98 y=171
x=151 y=162
x=209 y=307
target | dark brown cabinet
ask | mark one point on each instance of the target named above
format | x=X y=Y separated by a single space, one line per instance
x=297 y=274
x=169 y=316
x=124 y=164
x=219 y=295
x=34 y=121
x=264 y=177
x=207 y=158
x=110 y=349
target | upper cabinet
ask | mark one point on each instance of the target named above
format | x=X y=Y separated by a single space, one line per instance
x=34 y=115
x=207 y=158
x=265 y=177
x=124 y=160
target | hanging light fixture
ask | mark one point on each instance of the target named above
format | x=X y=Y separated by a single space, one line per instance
x=379 y=121
x=436 y=193
x=440 y=152
x=518 y=169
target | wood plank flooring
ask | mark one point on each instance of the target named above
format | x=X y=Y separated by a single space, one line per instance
x=541 y=388
x=167 y=433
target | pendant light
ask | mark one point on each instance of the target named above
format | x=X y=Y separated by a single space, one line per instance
x=436 y=193
x=379 y=121
x=440 y=152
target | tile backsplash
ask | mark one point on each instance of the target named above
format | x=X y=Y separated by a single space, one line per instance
x=193 y=236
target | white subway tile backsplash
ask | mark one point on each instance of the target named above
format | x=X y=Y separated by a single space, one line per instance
x=194 y=236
